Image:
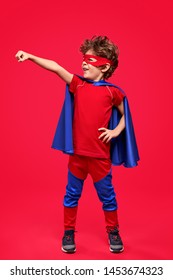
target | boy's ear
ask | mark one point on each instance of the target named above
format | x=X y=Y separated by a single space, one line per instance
x=105 y=67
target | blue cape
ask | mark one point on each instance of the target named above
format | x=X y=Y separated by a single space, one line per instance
x=123 y=148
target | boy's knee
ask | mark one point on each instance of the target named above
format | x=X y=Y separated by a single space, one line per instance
x=106 y=193
x=73 y=190
x=70 y=201
x=110 y=205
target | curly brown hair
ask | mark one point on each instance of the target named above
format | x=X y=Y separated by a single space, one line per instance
x=103 y=47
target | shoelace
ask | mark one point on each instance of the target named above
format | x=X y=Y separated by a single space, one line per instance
x=114 y=234
x=112 y=231
x=68 y=237
x=115 y=237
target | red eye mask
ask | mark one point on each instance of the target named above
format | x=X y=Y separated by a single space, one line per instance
x=99 y=60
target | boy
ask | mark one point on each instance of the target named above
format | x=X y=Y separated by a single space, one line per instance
x=91 y=131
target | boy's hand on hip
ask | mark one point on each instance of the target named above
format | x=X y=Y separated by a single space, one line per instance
x=108 y=134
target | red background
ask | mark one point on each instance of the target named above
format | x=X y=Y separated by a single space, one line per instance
x=33 y=176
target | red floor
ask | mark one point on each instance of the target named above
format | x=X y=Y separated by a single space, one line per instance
x=32 y=222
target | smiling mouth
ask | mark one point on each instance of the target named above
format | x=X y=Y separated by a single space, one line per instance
x=85 y=69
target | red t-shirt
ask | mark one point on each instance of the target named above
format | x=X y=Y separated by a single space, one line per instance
x=92 y=110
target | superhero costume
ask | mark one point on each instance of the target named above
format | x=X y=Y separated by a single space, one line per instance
x=123 y=148
x=98 y=60
x=123 y=151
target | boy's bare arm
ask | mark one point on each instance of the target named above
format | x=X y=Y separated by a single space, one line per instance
x=108 y=134
x=47 y=64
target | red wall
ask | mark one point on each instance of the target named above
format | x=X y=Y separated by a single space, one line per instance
x=33 y=175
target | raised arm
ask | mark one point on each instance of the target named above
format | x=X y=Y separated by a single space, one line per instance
x=47 y=64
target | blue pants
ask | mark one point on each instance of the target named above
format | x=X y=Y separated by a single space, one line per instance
x=103 y=187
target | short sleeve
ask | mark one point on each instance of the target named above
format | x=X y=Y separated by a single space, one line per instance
x=74 y=83
x=117 y=96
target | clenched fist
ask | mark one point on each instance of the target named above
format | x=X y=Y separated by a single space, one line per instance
x=22 y=56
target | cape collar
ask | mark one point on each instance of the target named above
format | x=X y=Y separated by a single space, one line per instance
x=98 y=83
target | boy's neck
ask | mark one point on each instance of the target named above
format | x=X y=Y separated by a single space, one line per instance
x=98 y=80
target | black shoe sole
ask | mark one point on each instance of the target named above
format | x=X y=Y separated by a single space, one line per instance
x=72 y=251
x=116 y=251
